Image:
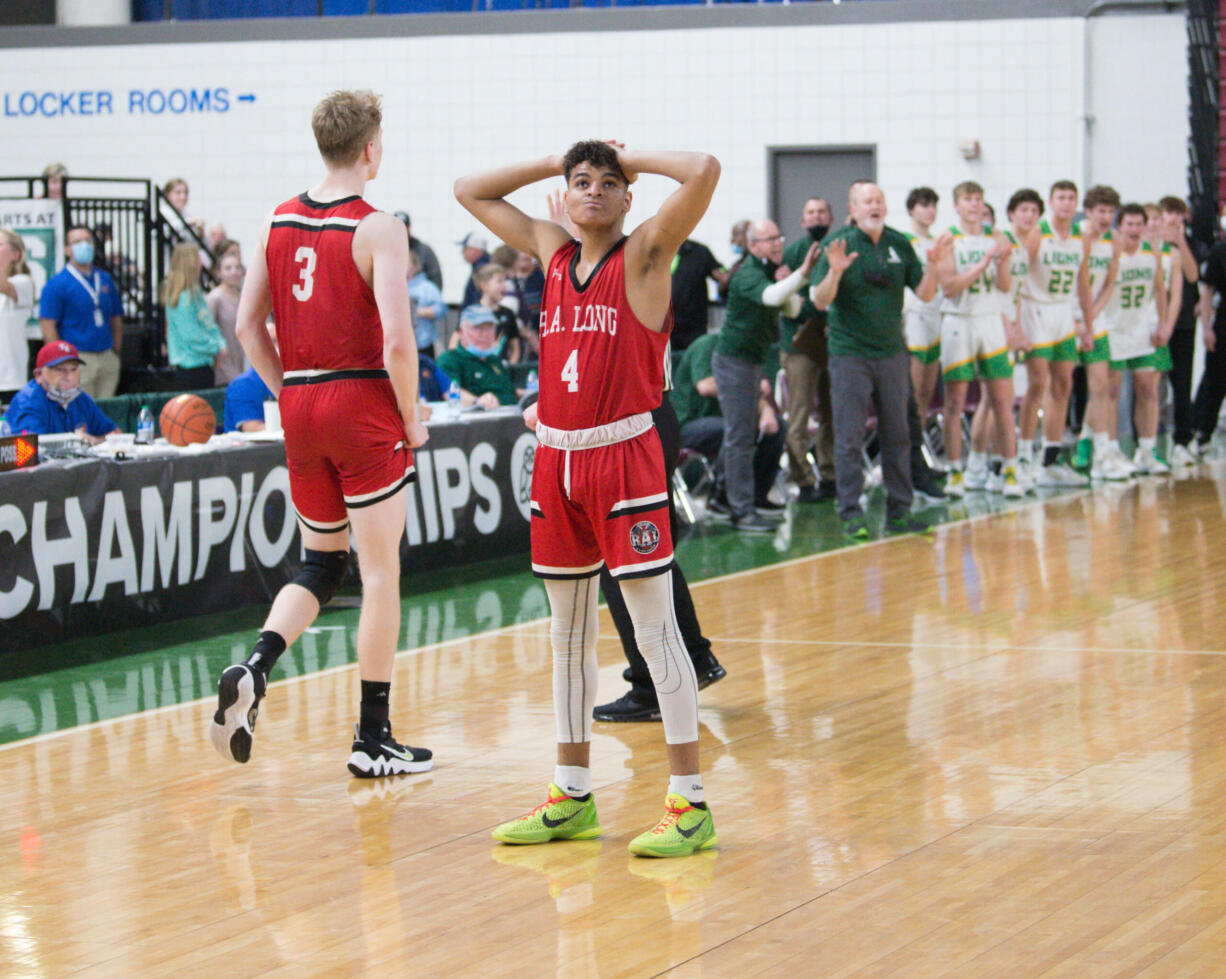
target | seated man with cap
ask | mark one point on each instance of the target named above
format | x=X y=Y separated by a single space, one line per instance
x=53 y=402
x=476 y=365
x=475 y=248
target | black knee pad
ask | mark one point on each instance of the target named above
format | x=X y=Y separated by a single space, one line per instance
x=322 y=573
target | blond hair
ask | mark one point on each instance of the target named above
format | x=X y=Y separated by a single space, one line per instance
x=18 y=266
x=344 y=123
x=184 y=273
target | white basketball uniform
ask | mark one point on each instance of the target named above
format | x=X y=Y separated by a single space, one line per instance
x=1049 y=295
x=971 y=324
x=1131 y=313
x=921 y=320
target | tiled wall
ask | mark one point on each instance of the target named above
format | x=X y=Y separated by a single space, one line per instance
x=457 y=103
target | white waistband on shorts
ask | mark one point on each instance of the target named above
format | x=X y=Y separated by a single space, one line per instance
x=589 y=438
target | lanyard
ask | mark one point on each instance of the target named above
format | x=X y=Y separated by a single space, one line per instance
x=92 y=290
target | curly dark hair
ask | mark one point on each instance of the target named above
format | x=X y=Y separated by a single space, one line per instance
x=599 y=154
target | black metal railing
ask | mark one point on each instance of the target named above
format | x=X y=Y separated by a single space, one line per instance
x=135 y=229
x=1203 y=118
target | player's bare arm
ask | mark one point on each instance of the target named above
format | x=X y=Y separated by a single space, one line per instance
x=953 y=284
x=1162 y=334
x=1003 y=257
x=1174 y=300
x=652 y=245
x=381 y=253
x=942 y=248
x=484 y=194
x=254 y=307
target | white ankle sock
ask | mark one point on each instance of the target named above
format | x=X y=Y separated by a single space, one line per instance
x=687 y=786
x=574 y=780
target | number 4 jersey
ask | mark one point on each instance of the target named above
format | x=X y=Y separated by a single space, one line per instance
x=599 y=363
x=325 y=312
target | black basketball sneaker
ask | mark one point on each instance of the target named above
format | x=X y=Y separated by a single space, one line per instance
x=239 y=692
x=375 y=756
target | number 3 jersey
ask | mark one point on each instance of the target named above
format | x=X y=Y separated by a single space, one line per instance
x=1052 y=279
x=325 y=312
x=598 y=362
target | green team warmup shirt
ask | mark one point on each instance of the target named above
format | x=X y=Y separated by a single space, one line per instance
x=749 y=326
x=478 y=376
x=794 y=257
x=694 y=366
x=865 y=320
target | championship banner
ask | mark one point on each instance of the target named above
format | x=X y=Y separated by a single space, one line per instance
x=92 y=546
x=41 y=226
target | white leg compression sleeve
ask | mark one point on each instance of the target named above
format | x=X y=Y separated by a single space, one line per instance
x=650 y=604
x=572 y=633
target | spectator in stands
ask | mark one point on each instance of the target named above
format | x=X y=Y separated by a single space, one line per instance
x=491 y=279
x=737 y=242
x=696 y=398
x=432 y=384
x=429 y=310
x=53 y=402
x=426 y=259
x=859 y=280
x=222 y=302
x=751 y=325
x=16 y=305
x=193 y=339
x=526 y=282
x=692 y=267
x=474 y=246
x=81 y=304
x=55 y=179
x=483 y=378
x=176 y=192
x=215 y=238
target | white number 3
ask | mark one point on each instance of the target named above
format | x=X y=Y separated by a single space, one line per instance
x=570 y=372
x=302 y=291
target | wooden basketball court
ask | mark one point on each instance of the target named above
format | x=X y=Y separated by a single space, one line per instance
x=996 y=751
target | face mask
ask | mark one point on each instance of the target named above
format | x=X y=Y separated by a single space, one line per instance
x=478 y=352
x=83 y=253
x=818 y=231
x=63 y=397
x=738 y=251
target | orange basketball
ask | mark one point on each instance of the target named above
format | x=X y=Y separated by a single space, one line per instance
x=187 y=418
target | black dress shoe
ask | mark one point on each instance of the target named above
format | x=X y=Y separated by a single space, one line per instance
x=627 y=708
x=708 y=670
x=820 y=493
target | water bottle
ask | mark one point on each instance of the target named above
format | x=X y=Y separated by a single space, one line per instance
x=534 y=382
x=144 y=426
x=453 y=401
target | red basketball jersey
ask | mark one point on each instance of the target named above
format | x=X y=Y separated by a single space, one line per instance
x=598 y=363
x=325 y=312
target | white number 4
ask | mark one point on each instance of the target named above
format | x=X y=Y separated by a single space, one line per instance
x=570 y=372
x=302 y=291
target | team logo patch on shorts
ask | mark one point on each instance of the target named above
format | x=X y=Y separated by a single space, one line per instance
x=644 y=537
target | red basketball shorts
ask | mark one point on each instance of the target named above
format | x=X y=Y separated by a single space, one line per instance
x=344 y=442
x=603 y=505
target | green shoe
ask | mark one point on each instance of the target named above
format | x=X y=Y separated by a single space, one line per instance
x=1083 y=454
x=558 y=818
x=684 y=830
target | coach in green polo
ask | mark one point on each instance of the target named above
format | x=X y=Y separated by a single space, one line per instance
x=859 y=280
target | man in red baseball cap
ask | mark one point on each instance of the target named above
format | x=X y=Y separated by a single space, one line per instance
x=53 y=402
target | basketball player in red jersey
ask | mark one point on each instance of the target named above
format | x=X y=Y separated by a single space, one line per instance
x=331 y=270
x=598 y=483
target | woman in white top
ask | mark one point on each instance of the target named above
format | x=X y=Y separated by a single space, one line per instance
x=16 y=306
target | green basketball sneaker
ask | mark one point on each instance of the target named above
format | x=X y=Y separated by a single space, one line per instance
x=685 y=829
x=1083 y=454
x=557 y=818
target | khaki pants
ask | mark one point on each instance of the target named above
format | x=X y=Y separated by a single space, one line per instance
x=100 y=373
x=808 y=381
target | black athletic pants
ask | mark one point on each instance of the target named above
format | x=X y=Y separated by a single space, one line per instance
x=1182 y=346
x=696 y=643
x=1212 y=388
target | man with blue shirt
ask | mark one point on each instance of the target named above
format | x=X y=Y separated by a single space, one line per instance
x=81 y=305
x=53 y=402
x=245 y=397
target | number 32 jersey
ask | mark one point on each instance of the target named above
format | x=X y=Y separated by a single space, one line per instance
x=598 y=362
x=325 y=312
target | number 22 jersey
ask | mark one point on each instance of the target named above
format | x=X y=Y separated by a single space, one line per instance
x=598 y=362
